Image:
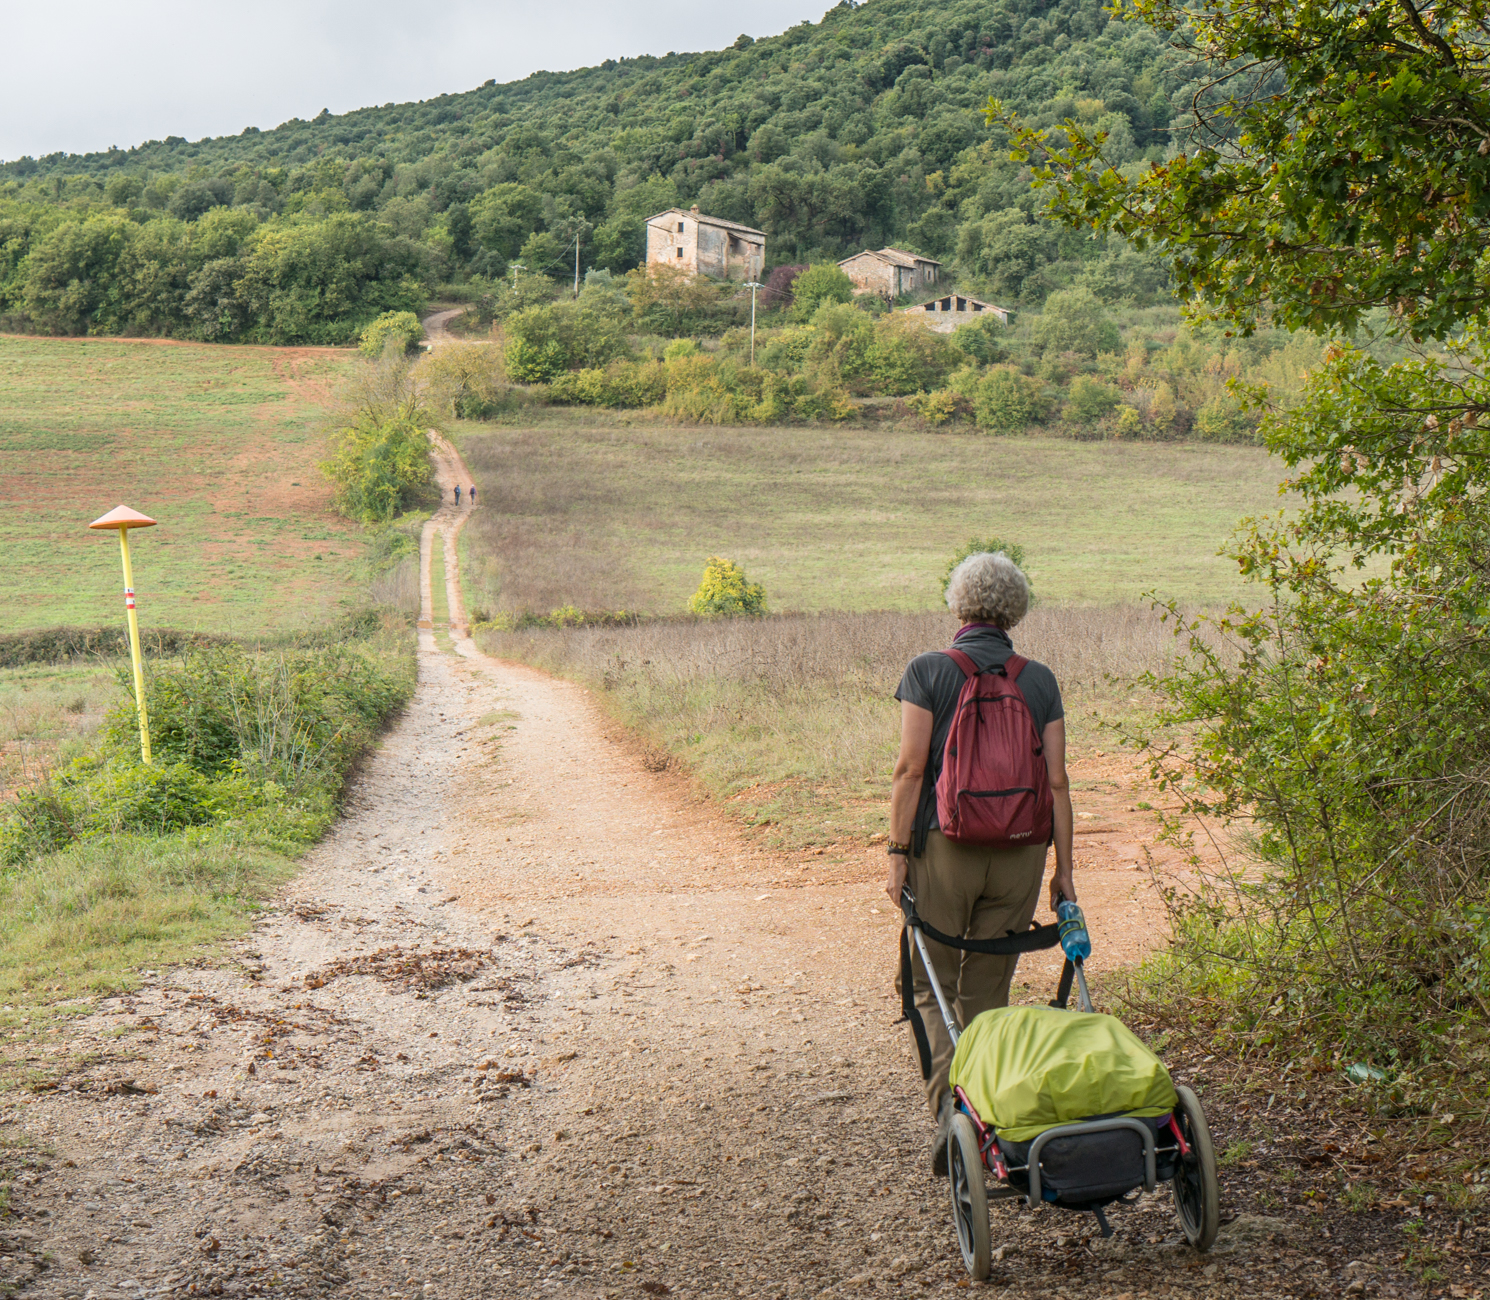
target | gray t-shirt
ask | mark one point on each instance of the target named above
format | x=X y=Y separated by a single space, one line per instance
x=934 y=682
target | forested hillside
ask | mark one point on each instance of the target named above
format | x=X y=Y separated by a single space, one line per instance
x=858 y=131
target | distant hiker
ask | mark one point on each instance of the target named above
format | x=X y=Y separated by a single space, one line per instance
x=472 y=494
x=968 y=881
x=457 y=494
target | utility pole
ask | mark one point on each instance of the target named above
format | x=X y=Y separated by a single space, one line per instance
x=753 y=285
x=516 y=267
x=576 y=261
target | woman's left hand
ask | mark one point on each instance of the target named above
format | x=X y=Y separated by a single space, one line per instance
x=1062 y=885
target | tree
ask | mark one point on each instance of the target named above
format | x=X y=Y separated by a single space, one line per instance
x=819 y=283
x=1074 y=320
x=1337 y=165
x=669 y=293
x=399 y=329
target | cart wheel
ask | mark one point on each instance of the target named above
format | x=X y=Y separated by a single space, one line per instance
x=969 y=1197
x=1197 y=1195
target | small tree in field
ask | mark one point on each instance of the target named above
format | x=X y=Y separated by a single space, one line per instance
x=980 y=546
x=726 y=591
x=402 y=328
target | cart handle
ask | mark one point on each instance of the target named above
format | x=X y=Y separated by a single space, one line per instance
x=1036 y=939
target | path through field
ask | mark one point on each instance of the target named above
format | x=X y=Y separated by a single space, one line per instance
x=535 y=1022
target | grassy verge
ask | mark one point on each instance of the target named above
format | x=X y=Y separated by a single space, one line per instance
x=115 y=867
x=791 y=719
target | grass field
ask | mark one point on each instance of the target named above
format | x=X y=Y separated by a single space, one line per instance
x=220 y=444
x=618 y=517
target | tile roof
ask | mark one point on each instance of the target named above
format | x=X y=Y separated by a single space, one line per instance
x=895 y=257
x=707 y=221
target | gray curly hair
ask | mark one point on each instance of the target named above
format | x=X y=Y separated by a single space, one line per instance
x=988 y=587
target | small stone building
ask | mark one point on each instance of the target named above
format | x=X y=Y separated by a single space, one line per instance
x=722 y=250
x=945 y=314
x=890 y=272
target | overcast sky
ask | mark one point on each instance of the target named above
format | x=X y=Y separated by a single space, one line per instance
x=82 y=75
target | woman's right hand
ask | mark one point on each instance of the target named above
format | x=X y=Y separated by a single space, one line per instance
x=895 y=878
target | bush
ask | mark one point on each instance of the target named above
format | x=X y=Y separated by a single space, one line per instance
x=1006 y=401
x=400 y=329
x=822 y=282
x=1075 y=320
x=544 y=341
x=1224 y=419
x=380 y=465
x=1089 y=399
x=906 y=357
x=981 y=546
x=940 y=406
x=981 y=340
x=725 y=591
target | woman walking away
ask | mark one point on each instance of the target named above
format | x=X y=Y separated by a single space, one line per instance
x=457 y=494
x=974 y=859
x=472 y=494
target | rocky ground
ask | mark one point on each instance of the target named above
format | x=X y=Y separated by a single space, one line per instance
x=534 y=1021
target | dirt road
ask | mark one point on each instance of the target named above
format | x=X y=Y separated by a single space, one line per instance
x=533 y=1022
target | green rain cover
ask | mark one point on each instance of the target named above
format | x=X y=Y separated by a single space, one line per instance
x=1027 y=1069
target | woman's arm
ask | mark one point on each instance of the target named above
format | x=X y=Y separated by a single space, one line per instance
x=905 y=788
x=1054 y=740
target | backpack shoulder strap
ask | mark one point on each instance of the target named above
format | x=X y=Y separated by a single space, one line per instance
x=1014 y=665
x=963 y=661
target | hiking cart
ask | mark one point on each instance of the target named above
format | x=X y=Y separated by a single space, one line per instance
x=1063 y=1108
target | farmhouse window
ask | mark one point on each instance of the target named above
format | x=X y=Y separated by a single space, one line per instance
x=680 y=252
x=680 y=227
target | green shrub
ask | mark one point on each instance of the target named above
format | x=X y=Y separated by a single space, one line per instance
x=399 y=328
x=1006 y=401
x=982 y=340
x=906 y=357
x=725 y=591
x=380 y=464
x=785 y=349
x=940 y=406
x=1075 y=320
x=545 y=340
x=1129 y=423
x=981 y=546
x=1089 y=399
x=1224 y=419
x=822 y=282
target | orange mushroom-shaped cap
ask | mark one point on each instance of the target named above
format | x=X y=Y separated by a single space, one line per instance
x=123 y=517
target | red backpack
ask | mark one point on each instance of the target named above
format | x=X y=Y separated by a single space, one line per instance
x=993 y=788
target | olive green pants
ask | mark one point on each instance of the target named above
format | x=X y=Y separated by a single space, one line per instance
x=975 y=893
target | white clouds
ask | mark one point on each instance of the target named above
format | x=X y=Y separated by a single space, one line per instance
x=82 y=75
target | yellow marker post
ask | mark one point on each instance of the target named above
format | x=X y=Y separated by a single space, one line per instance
x=124 y=519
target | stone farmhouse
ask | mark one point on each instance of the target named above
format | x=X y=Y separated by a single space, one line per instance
x=890 y=272
x=945 y=314
x=722 y=250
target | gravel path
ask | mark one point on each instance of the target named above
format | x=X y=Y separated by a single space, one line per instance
x=533 y=1022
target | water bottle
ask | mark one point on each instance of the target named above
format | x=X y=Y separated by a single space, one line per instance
x=1075 y=941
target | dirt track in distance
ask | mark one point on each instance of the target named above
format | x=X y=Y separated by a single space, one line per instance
x=533 y=1022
